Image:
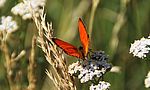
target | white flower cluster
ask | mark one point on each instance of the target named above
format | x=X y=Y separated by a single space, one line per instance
x=101 y=86
x=87 y=70
x=28 y=7
x=74 y=68
x=91 y=69
x=8 y=24
x=147 y=80
x=2 y=2
x=140 y=47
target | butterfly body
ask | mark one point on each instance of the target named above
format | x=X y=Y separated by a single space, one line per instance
x=70 y=49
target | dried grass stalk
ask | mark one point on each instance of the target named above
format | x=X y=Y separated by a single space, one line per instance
x=60 y=77
x=32 y=67
x=14 y=78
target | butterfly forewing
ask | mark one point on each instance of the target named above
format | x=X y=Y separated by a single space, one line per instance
x=83 y=36
x=67 y=48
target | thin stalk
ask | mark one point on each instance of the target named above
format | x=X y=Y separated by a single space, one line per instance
x=92 y=14
x=32 y=67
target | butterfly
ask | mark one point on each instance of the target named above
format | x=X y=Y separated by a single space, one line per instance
x=70 y=49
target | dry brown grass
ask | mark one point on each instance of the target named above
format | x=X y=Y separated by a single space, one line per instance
x=32 y=79
x=60 y=77
x=11 y=60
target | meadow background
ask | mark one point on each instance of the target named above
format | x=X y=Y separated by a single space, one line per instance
x=115 y=24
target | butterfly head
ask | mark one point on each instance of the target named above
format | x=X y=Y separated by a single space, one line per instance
x=81 y=50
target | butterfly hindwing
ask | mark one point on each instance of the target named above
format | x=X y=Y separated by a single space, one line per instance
x=84 y=38
x=67 y=48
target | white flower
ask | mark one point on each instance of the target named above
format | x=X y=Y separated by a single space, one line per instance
x=73 y=68
x=101 y=86
x=86 y=71
x=2 y=2
x=28 y=7
x=6 y=23
x=147 y=80
x=96 y=66
x=140 y=47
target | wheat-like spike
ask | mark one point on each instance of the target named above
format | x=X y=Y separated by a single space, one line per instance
x=61 y=79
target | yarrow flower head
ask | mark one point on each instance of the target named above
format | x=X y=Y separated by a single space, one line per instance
x=140 y=47
x=91 y=69
x=8 y=24
x=102 y=85
x=147 y=80
x=28 y=7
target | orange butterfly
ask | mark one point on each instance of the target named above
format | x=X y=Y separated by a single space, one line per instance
x=72 y=50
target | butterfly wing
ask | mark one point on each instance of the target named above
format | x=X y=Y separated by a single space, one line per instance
x=67 y=48
x=83 y=37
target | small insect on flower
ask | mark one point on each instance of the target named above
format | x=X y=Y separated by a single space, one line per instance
x=72 y=50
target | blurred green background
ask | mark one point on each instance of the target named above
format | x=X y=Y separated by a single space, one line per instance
x=116 y=24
